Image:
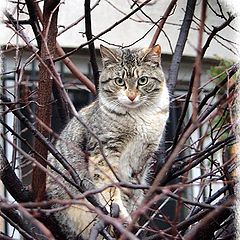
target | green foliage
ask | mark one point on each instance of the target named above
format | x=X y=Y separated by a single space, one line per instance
x=219 y=72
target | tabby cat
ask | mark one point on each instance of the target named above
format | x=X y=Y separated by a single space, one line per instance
x=129 y=118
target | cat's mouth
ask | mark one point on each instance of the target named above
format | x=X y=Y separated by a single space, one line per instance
x=131 y=104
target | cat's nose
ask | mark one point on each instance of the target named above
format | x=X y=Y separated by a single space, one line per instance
x=132 y=97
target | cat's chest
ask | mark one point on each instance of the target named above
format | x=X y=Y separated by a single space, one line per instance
x=128 y=145
x=133 y=131
x=148 y=127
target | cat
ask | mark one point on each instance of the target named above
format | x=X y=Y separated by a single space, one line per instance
x=129 y=118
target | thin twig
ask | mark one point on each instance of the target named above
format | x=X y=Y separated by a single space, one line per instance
x=198 y=64
x=162 y=22
x=79 y=19
x=104 y=31
x=211 y=222
x=187 y=100
x=67 y=61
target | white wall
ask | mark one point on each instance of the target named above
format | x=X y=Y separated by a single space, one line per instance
x=104 y=15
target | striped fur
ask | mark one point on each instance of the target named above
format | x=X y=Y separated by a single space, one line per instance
x=129 y=118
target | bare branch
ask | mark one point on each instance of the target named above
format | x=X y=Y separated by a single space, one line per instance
x=31 y=6
x=105 y=31
x=44 y=111
x=182 y=38
x=92 y=51
x=187 y=100
x=67 y=61
x=101 y=224
x=162 y=22
x=11 y=181
x=37 y=229
x=210 y=223
x=198 y=64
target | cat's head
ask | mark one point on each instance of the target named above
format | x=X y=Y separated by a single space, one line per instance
x=132 y=78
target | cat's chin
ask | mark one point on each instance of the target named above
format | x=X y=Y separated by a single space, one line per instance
x=127 y=103
x=131 y=105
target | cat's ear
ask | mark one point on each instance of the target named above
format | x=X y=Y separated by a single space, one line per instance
x=109 y=56
x=152 y=55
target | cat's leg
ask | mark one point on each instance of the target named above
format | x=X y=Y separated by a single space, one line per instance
x=103 y=176
x=115 y=196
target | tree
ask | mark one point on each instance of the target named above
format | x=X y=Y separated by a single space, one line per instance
x=212 y=117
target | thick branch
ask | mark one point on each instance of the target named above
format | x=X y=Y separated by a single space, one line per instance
x=92 y=51
x=34 y=21
x=48 y=45
x=62 y=105
x=182 y=38
x=11 y=181
x=33 y=10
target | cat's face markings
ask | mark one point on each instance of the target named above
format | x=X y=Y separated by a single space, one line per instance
x=129 y=93
x=129 y=98
x=131 y=78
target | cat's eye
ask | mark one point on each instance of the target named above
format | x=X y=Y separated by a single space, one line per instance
x=119 y=81
x=142 y=81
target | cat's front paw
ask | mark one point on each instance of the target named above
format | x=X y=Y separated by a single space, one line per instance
x=125 y=216
x=119 y=211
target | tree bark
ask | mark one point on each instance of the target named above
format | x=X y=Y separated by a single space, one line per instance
x=92 y=51
x=48 y=46
x=182 y=38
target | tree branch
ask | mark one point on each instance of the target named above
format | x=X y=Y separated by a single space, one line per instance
x=11 y=181
x=27 y=222
x=162 y=22
x=100 y=225
x=77 y=181
x=31 y=6
x=206 y=227
x=92 y=51
x=67 y=61
x=189 y=93
x=44 y=111
x=105 y=31
x=13 y=218
x=198 y=64
x=41 y=138
x=182 y=38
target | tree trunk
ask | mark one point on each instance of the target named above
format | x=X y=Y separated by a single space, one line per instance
x=48 y=46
